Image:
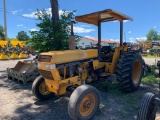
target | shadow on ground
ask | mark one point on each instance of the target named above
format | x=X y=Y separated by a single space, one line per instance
x=115 y=105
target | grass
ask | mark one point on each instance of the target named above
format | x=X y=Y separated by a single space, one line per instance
x=150 y=56
x=149 y=78
x=126 y=104
x=114 y=90
x=128 y=99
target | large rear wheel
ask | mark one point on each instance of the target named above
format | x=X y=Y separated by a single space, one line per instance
x=129 y=71
x=40 y=89
x=84 y=103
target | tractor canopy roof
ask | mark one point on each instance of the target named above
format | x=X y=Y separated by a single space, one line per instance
x=102 y=16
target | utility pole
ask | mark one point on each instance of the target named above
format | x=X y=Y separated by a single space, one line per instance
x=5 y=21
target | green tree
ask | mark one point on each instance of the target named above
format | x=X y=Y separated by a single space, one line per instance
x=2 y=35
x=152 y=35
x=51 y=37
x=22 y=36
x=158 y=37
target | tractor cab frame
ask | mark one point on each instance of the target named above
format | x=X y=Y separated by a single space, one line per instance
x=99 y=17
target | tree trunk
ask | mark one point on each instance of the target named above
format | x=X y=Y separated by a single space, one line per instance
x=55 y=11
x=55 y=18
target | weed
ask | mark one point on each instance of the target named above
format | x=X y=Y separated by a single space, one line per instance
x=149 y=78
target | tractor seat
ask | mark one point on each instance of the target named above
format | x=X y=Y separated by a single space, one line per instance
x=105 y=54
x=106 y=49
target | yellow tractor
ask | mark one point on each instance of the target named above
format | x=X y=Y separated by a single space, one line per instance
x=14 y=51
x=3 y=50
x=73 y=69
x=22 y=53
x=18 y=51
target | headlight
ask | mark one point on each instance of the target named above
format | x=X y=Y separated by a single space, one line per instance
x=39 y=65
x=50 y=67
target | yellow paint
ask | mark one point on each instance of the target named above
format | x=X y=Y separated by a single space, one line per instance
x=22 y=55
x=3 y=44
x=65 y=71
x=60 y=83
x=84 y=74
x=108 y=67
x=55 y=74
x=15 y=43
x=59 y=87
x=71 y=55
x=14 y=55
x=101 y=64
x=111 y=67
x=95 y=64
x=3 y=56
x=52 y=85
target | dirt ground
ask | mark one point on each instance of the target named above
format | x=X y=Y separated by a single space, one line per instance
x=18 y=103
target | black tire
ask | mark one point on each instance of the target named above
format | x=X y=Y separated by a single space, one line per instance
x=129 y=71
x=147 y=107
x=75 y=102
x=36 y=89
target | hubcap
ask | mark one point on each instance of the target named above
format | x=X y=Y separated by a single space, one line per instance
x=87 y=105
x=43 y=89
x=136 y=72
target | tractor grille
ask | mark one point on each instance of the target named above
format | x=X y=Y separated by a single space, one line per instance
x=44 y=58
x=46 y=74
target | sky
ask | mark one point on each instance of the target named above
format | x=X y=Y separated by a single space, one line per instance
x=145 y=14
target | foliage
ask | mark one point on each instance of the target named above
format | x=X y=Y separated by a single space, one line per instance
x=2 y=35
x=149 y=78
x=22 y=36
x=51 y=37
x=152 y=35
x=158 y=37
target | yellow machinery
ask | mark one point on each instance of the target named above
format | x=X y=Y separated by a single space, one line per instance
x=22 y=53
x=14 y=54
x=18 y=50
x=3 y=50
x=72 y=70
x=146 y=45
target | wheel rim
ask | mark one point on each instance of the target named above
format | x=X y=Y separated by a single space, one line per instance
x=136 y=71
x=43 y=89
x=87 y=105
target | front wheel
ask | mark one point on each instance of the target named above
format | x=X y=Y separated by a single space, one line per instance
x=84 y=103
x=40 y=90
x=147 y=110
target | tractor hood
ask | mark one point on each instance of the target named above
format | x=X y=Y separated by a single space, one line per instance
x=58 y=57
